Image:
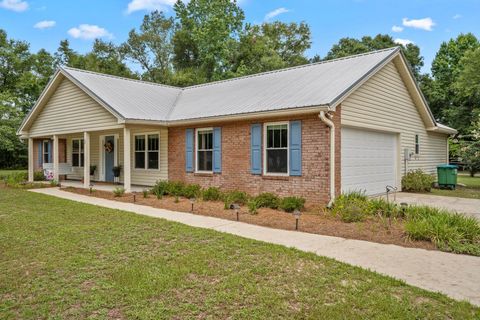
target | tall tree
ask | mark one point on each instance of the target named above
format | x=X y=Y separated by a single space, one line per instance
x=207 y=32
x=151 y=47
x=350 y=46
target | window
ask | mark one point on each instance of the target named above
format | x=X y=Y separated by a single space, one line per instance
x=276 y=148
x=204 y=150
x=77 y=153
x=417 y=144
x=46 y=151
x=147 y=151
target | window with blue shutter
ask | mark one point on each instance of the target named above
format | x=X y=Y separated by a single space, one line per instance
x=189 y=145
x=295 y=148
x=217 y=150
x=256 y=148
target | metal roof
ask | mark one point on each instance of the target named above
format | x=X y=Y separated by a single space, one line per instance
x=317 y=84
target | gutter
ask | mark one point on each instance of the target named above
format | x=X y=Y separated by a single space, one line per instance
x=325 y=118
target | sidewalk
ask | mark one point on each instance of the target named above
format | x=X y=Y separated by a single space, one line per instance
x=457 y=276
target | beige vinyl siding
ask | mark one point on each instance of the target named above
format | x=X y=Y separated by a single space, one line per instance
x=145 y=177
x=70 y=109
x=139 y=177
x=384 y=103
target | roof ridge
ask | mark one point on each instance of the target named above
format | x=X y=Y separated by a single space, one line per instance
x=395 y=48
x=121 y=78
x=174 y=104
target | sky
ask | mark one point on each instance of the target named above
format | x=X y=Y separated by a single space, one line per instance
x=427 y=23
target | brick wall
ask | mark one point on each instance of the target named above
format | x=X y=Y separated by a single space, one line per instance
x=313 y=184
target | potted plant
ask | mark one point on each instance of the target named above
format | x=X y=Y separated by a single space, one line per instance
x=92 y=170
x=116 y=171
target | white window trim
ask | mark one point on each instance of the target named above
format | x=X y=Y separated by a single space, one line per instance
x=196 y=150
x=80 y=151
x=265 y=125
x=43 y=151
x=145 y=135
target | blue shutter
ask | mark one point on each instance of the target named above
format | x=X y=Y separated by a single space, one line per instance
x=40 y=154
x=50 y=151
x=217 y=150
x=189 y=150
x=295 y=148
x=256 y=148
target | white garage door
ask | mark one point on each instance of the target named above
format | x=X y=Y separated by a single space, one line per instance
x=368 y=160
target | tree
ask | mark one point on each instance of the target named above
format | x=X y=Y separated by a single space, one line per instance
x=105 y=57
x=207 y=33
x=151 y=47
x=350 y=46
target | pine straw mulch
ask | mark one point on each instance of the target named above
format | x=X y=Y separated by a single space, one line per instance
x=318 y=221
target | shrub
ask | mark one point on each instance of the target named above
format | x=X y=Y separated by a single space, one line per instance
x=191 y=191
x=160 y=188
x=238 y=197
x=118 y=191
x=38 y=176
x=383 y=208
x=211 y=194
x=145 y=193
x=417 y=181
x=253 y=206
x=448 y=231
x=175 y=188
x=267 y=200
x=15 y=178
x=289 y=204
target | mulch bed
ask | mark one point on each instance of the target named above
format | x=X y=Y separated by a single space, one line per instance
x=321 y=222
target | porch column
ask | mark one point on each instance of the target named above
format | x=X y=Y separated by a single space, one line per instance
x=30 y=159
x=55 y=158
x=86 y=160
x=126 y=160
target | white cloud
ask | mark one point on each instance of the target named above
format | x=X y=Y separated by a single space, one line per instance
x=276 y=12
x=457 y=16
x=149 y=5
x=45 y=24
x=88 y=32
x=14 y=5
x=403 y=42
x=424 y=24
x=397 y=29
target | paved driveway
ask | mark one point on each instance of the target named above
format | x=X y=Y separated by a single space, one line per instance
x=470 y=207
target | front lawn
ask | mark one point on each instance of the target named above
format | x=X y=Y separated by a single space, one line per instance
x=61 y=259
x=471 y=189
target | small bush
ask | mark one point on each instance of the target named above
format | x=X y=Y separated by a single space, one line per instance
x=253 y=206
x=211 y=194
x=417 y=181
x=238 y=197
x=118 y=191
x=289 y=204
x=191 y=191
x=384 y=208
x=38 y=176
x=145 y=193
x=351 y=207
x=160 y=188
x=267 y=200
x=15 y=178
x=175 y=188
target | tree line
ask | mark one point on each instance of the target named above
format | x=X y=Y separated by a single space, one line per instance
x=209 y=40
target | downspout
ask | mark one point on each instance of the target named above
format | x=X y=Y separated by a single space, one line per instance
x=325 y=119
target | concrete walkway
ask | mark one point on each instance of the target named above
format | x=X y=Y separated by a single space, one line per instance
x=470 y=207
x=457 y=276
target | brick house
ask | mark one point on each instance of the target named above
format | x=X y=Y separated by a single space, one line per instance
x=315 y=131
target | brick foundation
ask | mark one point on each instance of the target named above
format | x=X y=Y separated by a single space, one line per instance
x=312 y=185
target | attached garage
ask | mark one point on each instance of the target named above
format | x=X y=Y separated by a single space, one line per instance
x=369 y=160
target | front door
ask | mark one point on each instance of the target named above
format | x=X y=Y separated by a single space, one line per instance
x=109 y=149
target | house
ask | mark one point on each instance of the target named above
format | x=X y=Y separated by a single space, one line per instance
x=316 y=130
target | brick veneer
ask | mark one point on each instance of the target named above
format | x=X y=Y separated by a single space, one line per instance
x=313 y=184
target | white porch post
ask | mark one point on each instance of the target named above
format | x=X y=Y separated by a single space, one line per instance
x=126 y=160
x=30 y=159
x=55 y=158
x=86 y=160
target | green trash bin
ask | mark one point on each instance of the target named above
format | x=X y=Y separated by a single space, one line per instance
x=447 y=176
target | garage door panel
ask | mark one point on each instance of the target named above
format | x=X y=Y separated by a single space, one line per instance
x=368 y=160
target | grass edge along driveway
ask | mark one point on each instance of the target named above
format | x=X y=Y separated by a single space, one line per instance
x=62 y=259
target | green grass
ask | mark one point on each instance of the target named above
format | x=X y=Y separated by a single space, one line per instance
x=61 y=259
x=471 y=189
x=5 y=173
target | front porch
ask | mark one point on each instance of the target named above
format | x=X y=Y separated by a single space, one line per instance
x=80 y=159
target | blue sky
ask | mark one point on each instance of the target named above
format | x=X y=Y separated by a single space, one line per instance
x=43 y=23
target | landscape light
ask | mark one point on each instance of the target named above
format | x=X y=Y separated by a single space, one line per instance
x=91 y=188
x=192 y=201
x=236 y=207
x=297 y=215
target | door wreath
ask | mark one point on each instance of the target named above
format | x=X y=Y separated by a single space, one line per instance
x=108 y=146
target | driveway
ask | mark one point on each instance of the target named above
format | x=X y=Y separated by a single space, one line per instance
x=470 y=207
